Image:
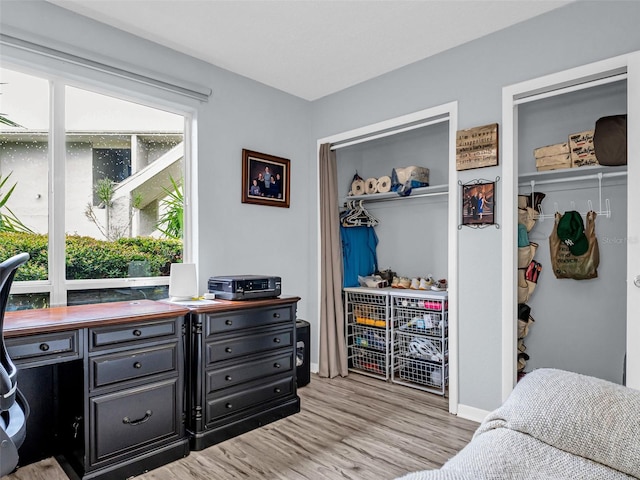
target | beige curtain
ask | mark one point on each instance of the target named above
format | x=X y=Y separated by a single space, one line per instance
x=333 y=351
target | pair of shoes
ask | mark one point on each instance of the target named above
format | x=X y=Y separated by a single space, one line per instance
x=421 y=283
x=440 y=286
x=426 y=282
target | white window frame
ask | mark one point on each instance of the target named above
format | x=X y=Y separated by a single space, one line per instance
x=57 y=286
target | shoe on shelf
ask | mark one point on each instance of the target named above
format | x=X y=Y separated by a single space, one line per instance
x=395 y=282
x=404 y=282
x=415 y=283
x=426 y=283
x=440 y=285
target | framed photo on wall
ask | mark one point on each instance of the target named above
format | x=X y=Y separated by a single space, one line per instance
x=478 y=203
x=265 y=179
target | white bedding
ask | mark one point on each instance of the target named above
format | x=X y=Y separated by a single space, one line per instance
x=554 y=425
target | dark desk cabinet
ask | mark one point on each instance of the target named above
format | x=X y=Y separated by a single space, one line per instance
x=114 y=404
x=119 y=389
x=135 y=403
x=242 y=372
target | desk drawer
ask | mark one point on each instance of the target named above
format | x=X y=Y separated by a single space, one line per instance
x=108 y=369
x=134 y=332
x=43 y=347
x=247 y=319
x=133 y=418
x=245 y=345
x=236 y=374
x=221 y=406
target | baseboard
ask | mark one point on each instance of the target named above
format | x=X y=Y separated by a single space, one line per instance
x=472 y=413
x=314 y=367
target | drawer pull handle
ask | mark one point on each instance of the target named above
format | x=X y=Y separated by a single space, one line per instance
x=137 y=365
x=276 y=365
x=228 y=349
x=228 y=378
x=44 y=347
x=276 y=340
x=276 y=315
x=228 y=322
x=137 y=333
x=277 y=390
x=133 y=423
x=228 y=405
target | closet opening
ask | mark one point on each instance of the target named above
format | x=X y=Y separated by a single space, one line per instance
x=576 y=324
x=416 y=238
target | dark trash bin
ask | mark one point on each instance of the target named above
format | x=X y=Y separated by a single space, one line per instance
x=303 y=336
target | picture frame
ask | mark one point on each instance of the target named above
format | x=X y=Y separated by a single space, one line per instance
x=477 y=147
x=265 y=179
x=478 y=203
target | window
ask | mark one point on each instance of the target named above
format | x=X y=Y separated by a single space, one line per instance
x=108 y=232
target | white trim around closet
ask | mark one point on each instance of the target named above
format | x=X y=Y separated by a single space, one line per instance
x=589 y=75
x=446 y=112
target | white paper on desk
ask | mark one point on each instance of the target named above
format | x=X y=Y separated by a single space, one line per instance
x=190 y=303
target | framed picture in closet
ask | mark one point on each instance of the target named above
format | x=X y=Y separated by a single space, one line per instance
x=265 y=179
x=478 y=203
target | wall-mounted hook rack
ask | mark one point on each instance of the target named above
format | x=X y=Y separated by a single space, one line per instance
x=603 y=210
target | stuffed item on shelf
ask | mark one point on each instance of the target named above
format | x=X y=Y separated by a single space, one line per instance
x=403 y=180
x=610 y=140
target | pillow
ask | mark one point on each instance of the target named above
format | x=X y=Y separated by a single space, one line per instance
x=610 y=140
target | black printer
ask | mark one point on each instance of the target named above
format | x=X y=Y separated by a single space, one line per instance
x=245 y=287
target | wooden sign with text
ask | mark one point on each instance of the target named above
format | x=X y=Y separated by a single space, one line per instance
x=477 y=147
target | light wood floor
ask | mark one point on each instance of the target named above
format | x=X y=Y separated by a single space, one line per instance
x=348 y=428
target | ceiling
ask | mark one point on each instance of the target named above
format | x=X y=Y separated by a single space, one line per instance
x=310 y=48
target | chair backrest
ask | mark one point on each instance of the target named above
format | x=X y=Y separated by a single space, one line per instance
x=14 y=409
x=8 y=371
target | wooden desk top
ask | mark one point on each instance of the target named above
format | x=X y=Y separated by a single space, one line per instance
x=54 y=319
x=28 y=322
x=231 y=305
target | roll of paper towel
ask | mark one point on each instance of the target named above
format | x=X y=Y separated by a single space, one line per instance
x=384 y=184
x=371 y=186
x=357 y=187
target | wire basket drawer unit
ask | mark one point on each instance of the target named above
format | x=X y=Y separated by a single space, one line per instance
x=422 y=374
x=368 y=331
x=422 y=348
x=420 y=331
x=369 y=308
x=370 y=361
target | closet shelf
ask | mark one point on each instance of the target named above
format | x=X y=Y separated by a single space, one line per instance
x=415 y=193
x=570 y=175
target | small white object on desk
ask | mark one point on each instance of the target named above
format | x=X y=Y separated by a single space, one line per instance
x=183 y=283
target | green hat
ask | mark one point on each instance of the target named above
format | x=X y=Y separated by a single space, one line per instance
x=571 y=233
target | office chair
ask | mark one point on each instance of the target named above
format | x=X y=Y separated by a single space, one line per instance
x=14 y=409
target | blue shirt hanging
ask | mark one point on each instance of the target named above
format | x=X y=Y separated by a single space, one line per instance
x=358 y=253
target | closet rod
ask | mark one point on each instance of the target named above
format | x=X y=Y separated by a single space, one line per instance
x=571 y=88
x=574 y=179
x=389 y=132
